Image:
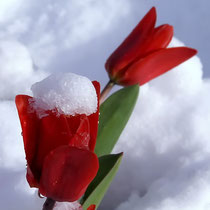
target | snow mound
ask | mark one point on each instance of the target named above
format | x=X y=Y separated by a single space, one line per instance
x=16 y=69
x=68 y=206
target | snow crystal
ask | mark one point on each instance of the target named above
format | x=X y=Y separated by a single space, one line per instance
x=67 y=206
x=69 y=93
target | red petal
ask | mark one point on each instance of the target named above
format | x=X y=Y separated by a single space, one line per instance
x=33 y=182
x=160 y=38
x=92 y=207
x=155 y=64
x=129 y=49
x=53 y=132
x=82 y=137
x=93 y=119
x=67 y=171
x=30 y=127
x=74 y=122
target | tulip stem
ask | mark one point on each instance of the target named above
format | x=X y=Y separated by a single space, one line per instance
x=48 y=204
x=106 y=91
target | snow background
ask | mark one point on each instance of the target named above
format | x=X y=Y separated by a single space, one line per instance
x=166 y=143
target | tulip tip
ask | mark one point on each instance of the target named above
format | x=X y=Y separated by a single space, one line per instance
x=153 y=9
x=192 y=51
x=188 y=52
x=195 y=51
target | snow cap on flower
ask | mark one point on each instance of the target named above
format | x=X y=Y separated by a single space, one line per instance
x=69 y=93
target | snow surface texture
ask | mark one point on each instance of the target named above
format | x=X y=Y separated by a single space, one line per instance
x=49 y=28
x=67 y=206
x=17 y=71
x=69 y=93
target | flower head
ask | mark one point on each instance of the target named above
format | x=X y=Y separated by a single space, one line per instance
x=59 y=149
x=143 y=55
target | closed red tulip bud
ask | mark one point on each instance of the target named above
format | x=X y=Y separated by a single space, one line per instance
x=59 y=149
x=143 y=55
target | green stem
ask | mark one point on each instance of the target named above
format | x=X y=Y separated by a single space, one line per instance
x=106 y=91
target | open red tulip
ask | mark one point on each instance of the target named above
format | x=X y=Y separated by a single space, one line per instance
x=59 y=149
x=143 y=55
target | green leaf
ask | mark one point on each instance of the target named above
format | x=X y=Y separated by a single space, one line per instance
x=114 y=115
x=108 y=166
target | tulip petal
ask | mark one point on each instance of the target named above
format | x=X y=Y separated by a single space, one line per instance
x=74 y=122
x=129 y=49
x=155 y=64
x=33 y=182
x=66 y=173
x=91 y=207
x=53 y=132
x=160 y=38
x=30 y=126
x=93 y=119
x=82 y=137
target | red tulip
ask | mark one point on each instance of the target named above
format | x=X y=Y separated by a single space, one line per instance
x=143 y=55
x=59 y=150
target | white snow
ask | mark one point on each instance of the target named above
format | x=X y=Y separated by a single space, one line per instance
x=67 y=206
x=16 y=69
x=11 y=145
x=50 y=28
x=69 y=93
x=8 y=9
